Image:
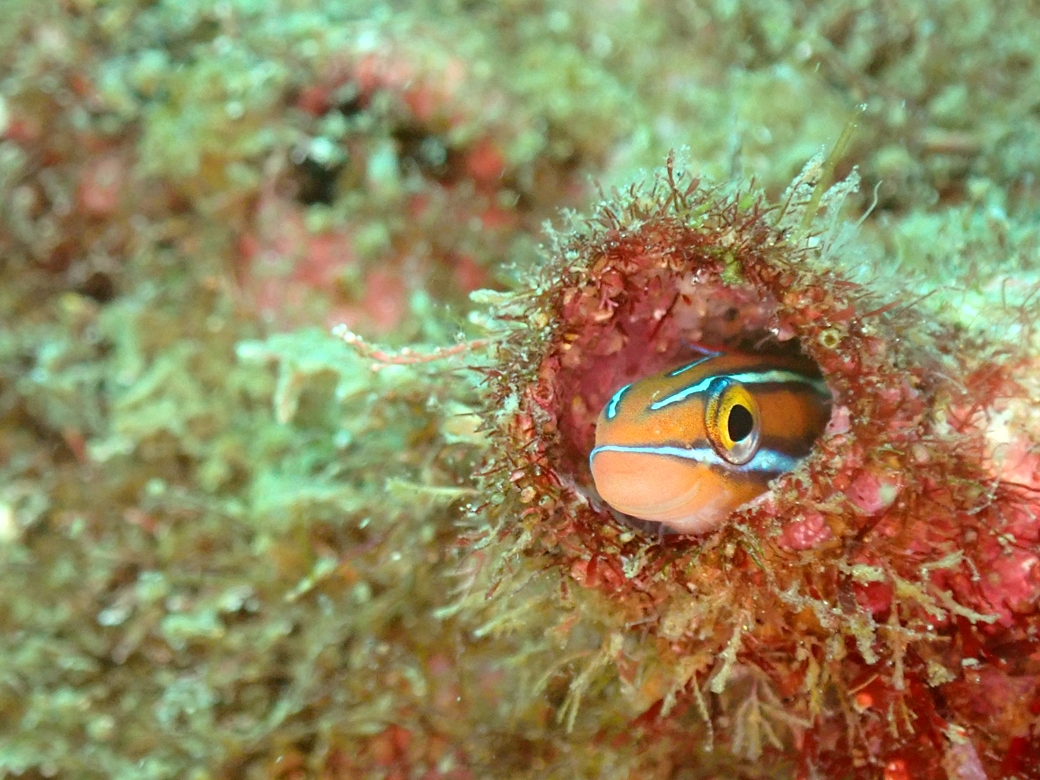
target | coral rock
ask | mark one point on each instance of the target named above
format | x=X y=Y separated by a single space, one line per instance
x=873 y=614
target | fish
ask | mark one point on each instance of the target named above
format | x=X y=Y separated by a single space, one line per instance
x=688 y=446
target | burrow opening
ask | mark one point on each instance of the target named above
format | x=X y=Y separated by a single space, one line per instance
x=625 y=329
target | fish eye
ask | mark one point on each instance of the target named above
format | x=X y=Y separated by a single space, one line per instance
x=740 y=423
x=731 y=418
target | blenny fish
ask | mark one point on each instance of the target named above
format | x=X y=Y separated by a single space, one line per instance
x=687 y=446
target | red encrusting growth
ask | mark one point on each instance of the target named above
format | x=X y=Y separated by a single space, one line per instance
x=424 y=196
x=882 y=597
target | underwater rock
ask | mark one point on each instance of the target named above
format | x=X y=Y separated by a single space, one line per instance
x=872 y=614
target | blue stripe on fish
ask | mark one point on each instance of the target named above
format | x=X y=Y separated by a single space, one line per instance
x=694 y=364
x=614 y=401
x=746 y=378
x=765 y=461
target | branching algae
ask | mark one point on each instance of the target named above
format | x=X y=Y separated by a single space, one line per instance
x=873 y=614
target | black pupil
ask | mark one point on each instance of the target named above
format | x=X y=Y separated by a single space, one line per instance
x=740 y=423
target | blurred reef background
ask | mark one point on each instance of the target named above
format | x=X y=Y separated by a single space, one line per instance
x=228 y=546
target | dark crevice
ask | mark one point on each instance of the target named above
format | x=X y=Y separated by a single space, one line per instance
x=428 y=155
x=316 y=183
x=98 y=286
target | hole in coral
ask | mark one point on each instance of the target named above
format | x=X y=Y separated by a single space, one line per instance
x=657 y=323
x=427 y=155
x=99 y=286
x=350 y=104
x=316 y=183
x=632 y=327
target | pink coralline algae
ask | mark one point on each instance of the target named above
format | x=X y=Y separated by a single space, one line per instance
x=399 y=155
x=877 y=608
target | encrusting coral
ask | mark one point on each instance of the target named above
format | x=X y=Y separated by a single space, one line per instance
x=227 y=550
x=874 y=613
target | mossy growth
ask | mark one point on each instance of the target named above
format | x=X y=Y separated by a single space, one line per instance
x=230 y=553
x=221 y=534
x=827 y=624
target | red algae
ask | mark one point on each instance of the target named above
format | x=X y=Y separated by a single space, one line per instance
x=874 y=614
x=409 y=178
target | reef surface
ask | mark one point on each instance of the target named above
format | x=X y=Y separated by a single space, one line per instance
x=233 y=544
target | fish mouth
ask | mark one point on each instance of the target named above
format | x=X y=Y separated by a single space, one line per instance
x=677 y=514
x=656 y=489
